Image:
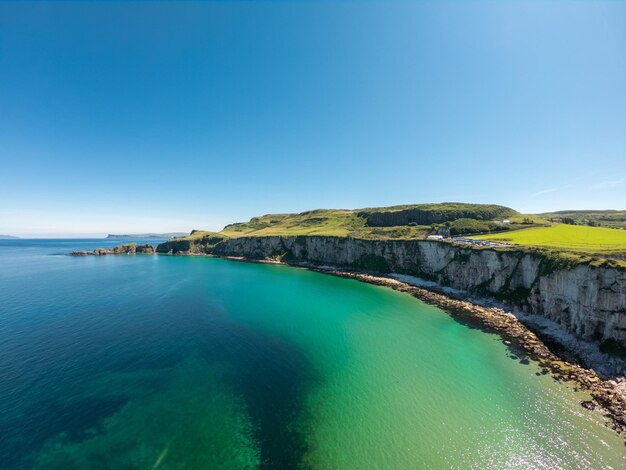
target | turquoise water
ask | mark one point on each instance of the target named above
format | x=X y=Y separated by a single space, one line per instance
x=185 y=362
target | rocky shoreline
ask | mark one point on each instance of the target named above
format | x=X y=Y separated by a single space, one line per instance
x=608 y=396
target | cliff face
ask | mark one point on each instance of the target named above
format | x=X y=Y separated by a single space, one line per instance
x=586 y=300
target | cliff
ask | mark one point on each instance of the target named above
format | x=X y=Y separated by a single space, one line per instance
x=586 y=299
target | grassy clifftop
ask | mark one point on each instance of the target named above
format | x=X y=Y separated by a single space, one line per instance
x=413 y=221
x=316 y=222
x=408 y=221
x=575 y=238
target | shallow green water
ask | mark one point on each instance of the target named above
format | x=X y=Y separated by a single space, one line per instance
x=182 y=362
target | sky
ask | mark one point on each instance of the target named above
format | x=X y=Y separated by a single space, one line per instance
x=132 y=117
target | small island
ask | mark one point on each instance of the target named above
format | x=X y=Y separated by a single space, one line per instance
x=129 y=249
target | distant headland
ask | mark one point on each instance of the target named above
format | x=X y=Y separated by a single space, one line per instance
x=8 y=237
x=143 y=236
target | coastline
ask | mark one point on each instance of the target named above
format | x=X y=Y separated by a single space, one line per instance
x=608 y=395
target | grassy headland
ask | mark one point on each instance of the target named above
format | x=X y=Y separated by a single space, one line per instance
x=397 y=222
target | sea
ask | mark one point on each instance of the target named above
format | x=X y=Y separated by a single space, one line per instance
x=189 y=362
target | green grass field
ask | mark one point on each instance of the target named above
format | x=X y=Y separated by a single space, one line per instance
x=578 y=238
x=316 y=222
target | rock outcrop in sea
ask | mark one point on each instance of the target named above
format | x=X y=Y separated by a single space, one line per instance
x=129 y=249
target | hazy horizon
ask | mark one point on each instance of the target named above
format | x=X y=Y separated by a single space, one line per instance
x=80 y=235
x=163 y=117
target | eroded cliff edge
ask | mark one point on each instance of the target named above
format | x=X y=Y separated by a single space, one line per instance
x=586 y=299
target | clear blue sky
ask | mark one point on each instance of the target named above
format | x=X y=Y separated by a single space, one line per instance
x=145 y=117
